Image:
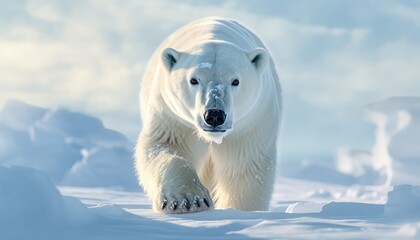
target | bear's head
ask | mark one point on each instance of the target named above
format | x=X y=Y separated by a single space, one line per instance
x=212 y=87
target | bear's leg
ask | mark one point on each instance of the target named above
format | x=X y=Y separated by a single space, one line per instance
x=249 y=191
x=172 y=183
x=243 y=180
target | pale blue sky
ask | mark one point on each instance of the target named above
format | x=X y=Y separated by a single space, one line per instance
x=333 y=58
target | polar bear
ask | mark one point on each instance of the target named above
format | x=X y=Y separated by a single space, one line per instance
x=210 y=106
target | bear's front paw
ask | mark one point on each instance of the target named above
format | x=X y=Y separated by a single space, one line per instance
x=185 y=204
x=187 y=201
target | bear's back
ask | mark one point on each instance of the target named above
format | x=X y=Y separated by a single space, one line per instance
x=212 y=29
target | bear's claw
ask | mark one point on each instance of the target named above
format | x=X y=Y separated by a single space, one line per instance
x=206 y=202
x=187 y=204
x=174 y=205
x=164 y=203
x=196 y=201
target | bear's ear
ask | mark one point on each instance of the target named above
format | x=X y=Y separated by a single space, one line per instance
x=169 y=57
x=259 y=58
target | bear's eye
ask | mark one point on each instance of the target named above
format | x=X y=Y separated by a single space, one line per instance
x=235 y=82
x=193 y=81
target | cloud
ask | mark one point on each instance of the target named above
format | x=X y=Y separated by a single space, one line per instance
x=409 y=13
x=69 y=63
x=44 y=11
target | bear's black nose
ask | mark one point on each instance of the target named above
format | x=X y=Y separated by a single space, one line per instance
x=214 y=117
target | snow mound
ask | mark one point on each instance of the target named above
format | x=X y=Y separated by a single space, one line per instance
x=403 y=202
x=93 y=171
x=81 y=129
x=352 y=210
x=20 y=115
x=72 y=148
x=28 y=199
x=31 y=207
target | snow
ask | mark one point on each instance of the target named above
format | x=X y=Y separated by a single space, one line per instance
x=30 y=203
x=63 y=175
x=403 y=201
x=72 y=148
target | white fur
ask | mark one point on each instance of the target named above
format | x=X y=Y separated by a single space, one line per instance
x=204 y=65
x=178 y=160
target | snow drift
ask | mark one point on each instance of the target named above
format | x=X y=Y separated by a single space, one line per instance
x=72 y=148
x=403 y=203
x=29 y=202
x=32 y=208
